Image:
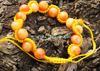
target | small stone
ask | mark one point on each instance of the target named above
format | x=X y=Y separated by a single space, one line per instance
x=41 y=18
x=59 y=31
x=41 y=29
x=30 y=30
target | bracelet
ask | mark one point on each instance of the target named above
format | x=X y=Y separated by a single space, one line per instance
x=29 y=46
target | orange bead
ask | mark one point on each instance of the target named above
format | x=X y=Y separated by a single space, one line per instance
x=76 y=39
x=39 y=53
x=43 y=6
x=34 y=46
x=74 y=50
x=17 y=24
x=79 y=28
x=24 y=8
x=27 y=47
x=52 y=12
x=35 y=7
x=22 y=34
x=20 y=15
x=62 y=16
x=69 y=22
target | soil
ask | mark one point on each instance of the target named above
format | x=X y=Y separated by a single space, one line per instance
x=43 y=30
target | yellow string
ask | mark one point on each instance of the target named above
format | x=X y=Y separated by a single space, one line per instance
x=51 y=61
x=55 y=59
x=94 y=46
x=6 y=39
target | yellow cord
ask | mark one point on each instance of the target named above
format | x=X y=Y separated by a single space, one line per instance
x=56 y=59
x=6 y=39
x=94 y=46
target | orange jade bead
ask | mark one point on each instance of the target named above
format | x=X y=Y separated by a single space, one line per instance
x=62 y=17
x=39 y=53
x=74 y=50
x=27 y=46
x=20 y=15
x=69 y=22
x=34 y=46
x=17 y=24
x=79 y=28
x=76 y=39
x=43 y=6
x=53 y=11
x=22 y=34
x=35 y=7
x=24 y=8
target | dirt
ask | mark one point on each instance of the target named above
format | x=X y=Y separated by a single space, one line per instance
x=50 y=35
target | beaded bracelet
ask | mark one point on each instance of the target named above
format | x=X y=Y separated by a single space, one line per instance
x=29 y=45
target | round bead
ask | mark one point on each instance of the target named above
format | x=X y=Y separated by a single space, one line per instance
x=22 y=34
x=20 y=15
x=43 y=6
x=74 y=50
x=24 y=8
x=35 y=7
x=79 y=28
x=69 y=22
x=17 y=24
x=62 y=16
x=76 y=39
x=52 y=12
x=39 y=53
x=34 y=46
x=27 y=47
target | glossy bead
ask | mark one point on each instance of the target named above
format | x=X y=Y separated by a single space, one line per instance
x=17 y=24
x=52 y=12
x=63 y=16
x=43 y=6
x=39 y=53
x=24 y=8
x=69 y=22
x=35 y=7
x=34 y=46
x=22 y=34
x=76 y=39
x=79 y=28
x=20 y=15
x=27 y=47
x=74 y=50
